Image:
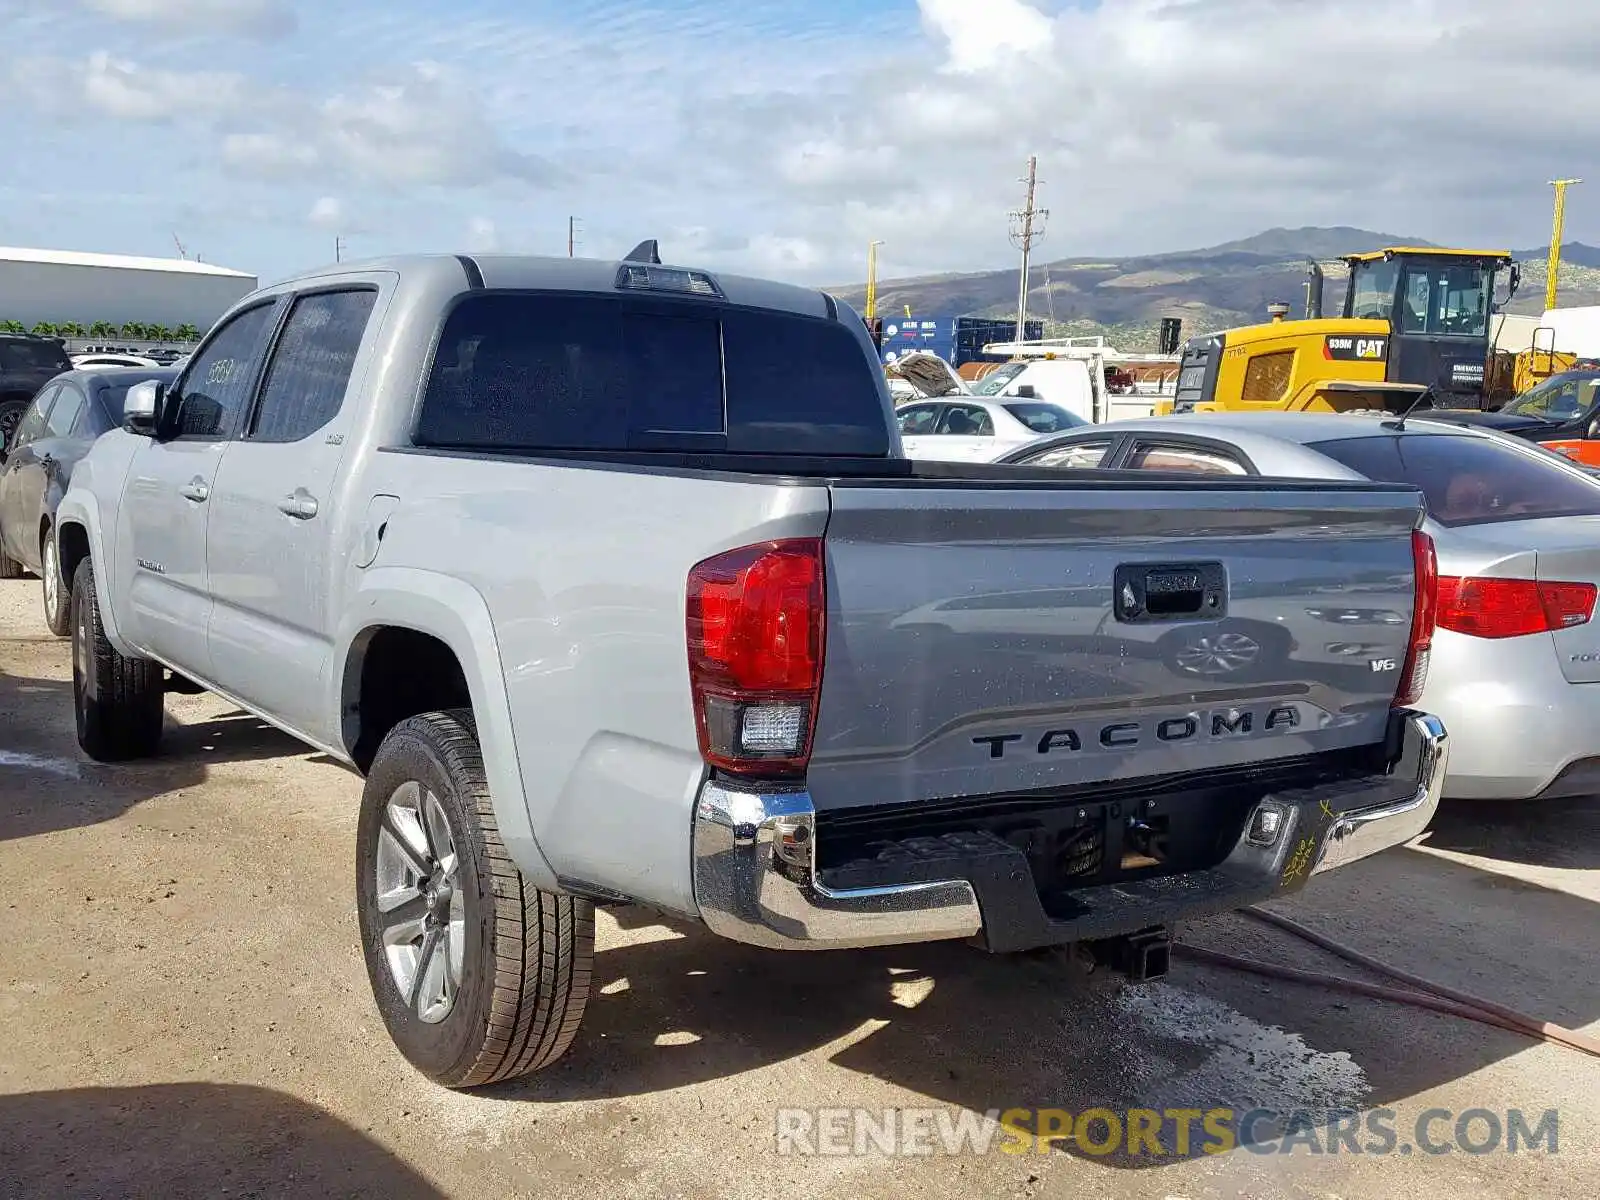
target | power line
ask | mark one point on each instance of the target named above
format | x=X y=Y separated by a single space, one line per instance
x=1027 y=227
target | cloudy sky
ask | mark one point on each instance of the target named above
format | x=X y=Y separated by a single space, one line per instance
x=783 y=135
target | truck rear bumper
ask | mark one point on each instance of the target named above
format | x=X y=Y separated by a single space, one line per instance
x=756 y=877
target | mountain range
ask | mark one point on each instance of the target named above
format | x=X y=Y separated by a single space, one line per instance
x=1125 y=297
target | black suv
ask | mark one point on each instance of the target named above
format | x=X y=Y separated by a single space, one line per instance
x=27 y=363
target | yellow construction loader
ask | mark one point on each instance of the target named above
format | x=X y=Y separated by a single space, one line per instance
x=1413 y=319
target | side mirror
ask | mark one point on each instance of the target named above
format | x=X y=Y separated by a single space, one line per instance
x=141 y=411
x=1026 y=392
x=1594 y=426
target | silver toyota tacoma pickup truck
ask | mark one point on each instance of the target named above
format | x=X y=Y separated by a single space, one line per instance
x=613 y=582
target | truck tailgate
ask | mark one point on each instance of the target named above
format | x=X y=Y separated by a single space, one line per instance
x=986 y=638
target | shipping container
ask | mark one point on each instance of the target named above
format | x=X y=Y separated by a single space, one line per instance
x=957 y=340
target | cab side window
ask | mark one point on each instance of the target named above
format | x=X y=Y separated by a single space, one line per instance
x=311 y=366
x=216 y=386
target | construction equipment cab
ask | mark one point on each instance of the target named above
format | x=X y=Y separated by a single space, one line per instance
x=1413 y=318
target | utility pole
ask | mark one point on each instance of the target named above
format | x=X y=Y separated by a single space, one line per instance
x=872 y=279
x=1027 y=227
x=182 y=253
x=338 y=249
x=1553 y=267
x=572 y=237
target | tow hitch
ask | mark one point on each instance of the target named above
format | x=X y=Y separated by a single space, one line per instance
x=1141 y=956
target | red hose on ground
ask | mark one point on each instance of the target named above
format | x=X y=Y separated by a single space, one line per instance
x=1428 y=995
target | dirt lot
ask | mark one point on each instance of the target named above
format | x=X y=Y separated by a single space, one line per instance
x=183 y=1012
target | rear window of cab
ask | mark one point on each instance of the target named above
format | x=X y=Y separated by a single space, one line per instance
x=530 y=372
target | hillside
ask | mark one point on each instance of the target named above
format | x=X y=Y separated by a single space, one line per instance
x=1211 y=288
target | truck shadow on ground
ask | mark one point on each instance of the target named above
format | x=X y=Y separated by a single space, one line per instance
x=48 y=785
x=191 y=1140
x=953 y=1026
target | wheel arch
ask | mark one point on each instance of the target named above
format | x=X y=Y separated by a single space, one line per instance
x=78 y=536
x=414 y=636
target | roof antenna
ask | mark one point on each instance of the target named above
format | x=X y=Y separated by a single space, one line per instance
x=1400 y=425
x=645 y=252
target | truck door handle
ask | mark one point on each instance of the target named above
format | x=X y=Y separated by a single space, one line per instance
x=196 y=489
x=299 y=504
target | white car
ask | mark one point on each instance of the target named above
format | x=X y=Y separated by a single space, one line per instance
x=85 y=361
x=974 y=429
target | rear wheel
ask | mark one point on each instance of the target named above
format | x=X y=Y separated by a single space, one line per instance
x=57 y=596
x=10 y=568
x=10 y=417
x=479 y=976
x=117 y=699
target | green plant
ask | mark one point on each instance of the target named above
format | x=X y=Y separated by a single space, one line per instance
x=72 y=329
x=132 y=329
x=158 y=333
x=102 y=329
x=44 y=329
x=187 y=333
x=13 y=327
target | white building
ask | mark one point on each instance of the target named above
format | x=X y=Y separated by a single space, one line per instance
x=61 y=286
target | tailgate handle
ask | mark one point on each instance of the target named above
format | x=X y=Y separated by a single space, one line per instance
x=1170 y=592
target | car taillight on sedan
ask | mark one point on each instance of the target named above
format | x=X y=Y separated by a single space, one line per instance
x=1505 y=608
x=755 y=633
x=1414 y=675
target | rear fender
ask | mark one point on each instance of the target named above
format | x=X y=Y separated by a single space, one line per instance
x=456 y=614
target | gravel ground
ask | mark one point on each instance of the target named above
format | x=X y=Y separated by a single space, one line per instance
x=184 y=1012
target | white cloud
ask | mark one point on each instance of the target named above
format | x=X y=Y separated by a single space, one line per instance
x=984 y=35
x=327 y=213
x=419 y=127
x=482 y=235
x=123 y=90
x=251 y=18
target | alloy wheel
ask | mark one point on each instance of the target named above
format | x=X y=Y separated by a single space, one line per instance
x=421 y=910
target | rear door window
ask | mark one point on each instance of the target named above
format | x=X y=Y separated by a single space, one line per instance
x=1471 y=480
x=311 y=366
x=536 y=372
x=64 y=413
x=966 y=420
x=1178 y=456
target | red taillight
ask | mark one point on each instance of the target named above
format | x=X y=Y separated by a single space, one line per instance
x=755 y=627
x=1414 y=675
x=1504 y=608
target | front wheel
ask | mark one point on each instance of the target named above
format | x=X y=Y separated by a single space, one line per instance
x=117 y=699
x=479 y=975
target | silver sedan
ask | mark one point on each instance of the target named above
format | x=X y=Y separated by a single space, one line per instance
x=1515 y=670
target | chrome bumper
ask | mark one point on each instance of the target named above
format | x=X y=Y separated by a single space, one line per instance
x=1362 y=832
x=755 y=877
x=754 y=882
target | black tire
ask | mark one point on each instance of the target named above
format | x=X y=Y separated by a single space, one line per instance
x=10 y=568
x=526 y=955
x=117 y=699
x=57 y=604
